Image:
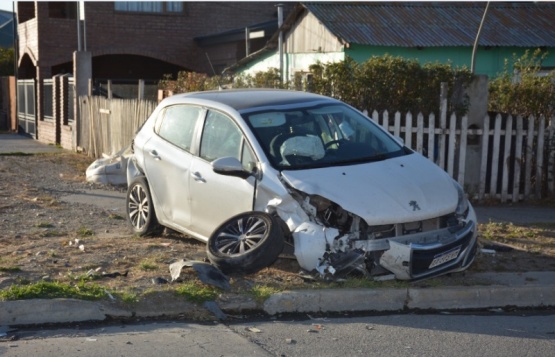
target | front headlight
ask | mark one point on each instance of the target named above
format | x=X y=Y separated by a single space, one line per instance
x=462 y=203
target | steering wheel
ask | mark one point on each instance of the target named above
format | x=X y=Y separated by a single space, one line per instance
x=338 y=142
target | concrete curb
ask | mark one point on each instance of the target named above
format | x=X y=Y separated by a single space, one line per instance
x=41 y=311
x=492 y=290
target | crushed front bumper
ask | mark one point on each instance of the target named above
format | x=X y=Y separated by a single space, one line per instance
x=430 y=254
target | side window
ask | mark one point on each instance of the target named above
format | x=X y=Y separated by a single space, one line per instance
x=220 y=138
x=178 y=125
x=248 y=159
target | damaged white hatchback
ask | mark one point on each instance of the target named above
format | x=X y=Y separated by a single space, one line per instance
x=250 y=171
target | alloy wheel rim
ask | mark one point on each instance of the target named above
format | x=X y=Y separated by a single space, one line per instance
x=241 y=236
x=139 y=207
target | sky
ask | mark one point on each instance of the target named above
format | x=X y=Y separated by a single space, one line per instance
x=6 y=5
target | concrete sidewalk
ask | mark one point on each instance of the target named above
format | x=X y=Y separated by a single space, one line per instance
x=15 y=143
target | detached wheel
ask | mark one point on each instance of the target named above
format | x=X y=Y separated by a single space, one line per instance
x=139 y=207
x=246 y=243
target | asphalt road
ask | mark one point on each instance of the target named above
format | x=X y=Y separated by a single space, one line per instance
x=492 y=335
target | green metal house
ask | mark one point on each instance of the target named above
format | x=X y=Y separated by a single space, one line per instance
x=442 y=32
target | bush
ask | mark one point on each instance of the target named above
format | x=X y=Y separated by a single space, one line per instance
x=522 y=90
x=380 y=83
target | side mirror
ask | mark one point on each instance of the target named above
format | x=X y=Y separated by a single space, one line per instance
x=230 y=166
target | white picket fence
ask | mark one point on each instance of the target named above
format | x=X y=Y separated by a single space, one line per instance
x=517 y=155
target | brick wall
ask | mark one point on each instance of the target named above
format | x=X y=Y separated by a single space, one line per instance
x=167 y=37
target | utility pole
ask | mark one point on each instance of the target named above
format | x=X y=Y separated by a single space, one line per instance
x=280 y=40
x=475 y=48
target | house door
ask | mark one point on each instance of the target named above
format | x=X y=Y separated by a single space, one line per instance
x=26 y=110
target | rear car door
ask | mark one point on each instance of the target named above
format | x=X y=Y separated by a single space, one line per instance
x=168 y=158
x=215 y=197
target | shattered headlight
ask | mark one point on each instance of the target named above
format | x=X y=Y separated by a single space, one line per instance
x=462 y=203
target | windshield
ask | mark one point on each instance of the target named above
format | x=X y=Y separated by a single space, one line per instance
x=319 y=136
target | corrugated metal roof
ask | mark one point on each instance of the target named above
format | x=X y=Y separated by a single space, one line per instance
x=437 y=24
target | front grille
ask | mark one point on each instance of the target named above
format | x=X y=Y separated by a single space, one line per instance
x=408 y=228
x=422 y=258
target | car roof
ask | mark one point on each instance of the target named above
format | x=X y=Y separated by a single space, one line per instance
x=240 y=99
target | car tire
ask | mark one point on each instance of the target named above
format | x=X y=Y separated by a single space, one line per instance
x=246 y=243
x=140 y=209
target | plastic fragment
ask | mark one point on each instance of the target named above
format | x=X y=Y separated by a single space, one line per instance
x=115 y=274
x=253 y=329
x=110 y=295
x=159 y=281
x=213 y=307
x=290 y=341
x=207 y=273
x=385 y=277
x=318 y=326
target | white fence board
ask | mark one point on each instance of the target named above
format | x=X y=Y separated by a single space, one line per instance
x=518 y=158
x=506 y=159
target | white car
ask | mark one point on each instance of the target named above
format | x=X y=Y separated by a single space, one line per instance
x=248 y=171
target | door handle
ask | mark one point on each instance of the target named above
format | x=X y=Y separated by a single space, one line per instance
x=197 y=177
x=154 y=154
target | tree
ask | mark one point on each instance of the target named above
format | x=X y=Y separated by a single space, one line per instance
x=7 y=61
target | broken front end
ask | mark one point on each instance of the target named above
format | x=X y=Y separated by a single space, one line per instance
x=334 y=242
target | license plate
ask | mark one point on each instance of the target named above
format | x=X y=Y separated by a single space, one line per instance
x=445 y=257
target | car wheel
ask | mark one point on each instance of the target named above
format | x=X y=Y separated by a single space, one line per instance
x=140 y=210
x=246 y=243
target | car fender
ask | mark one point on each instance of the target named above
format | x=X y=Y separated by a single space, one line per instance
x=133 y=170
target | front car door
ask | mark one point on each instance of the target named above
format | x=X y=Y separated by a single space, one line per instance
x=215 y=197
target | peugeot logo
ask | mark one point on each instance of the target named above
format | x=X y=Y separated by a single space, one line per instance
x=414 y=205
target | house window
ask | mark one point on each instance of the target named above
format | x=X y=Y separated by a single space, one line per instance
x=149 y=6
x=62 y=10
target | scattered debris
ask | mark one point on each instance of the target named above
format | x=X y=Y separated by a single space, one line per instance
x=207 y=273
x=499 y=310
x=92 y=272
x=114 y=274
x=253 y=329
x=487 y=251
x=498 y=247
x=110 y=170
x=213 y=307
x=317 y=318
x=159 y=281
x=290 y=341
x=318 y=326
x=110 y=295
x=384 y=277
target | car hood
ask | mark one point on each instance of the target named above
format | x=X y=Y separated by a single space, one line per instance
x=403 y=189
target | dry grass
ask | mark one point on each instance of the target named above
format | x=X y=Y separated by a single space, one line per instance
x=41 y=236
